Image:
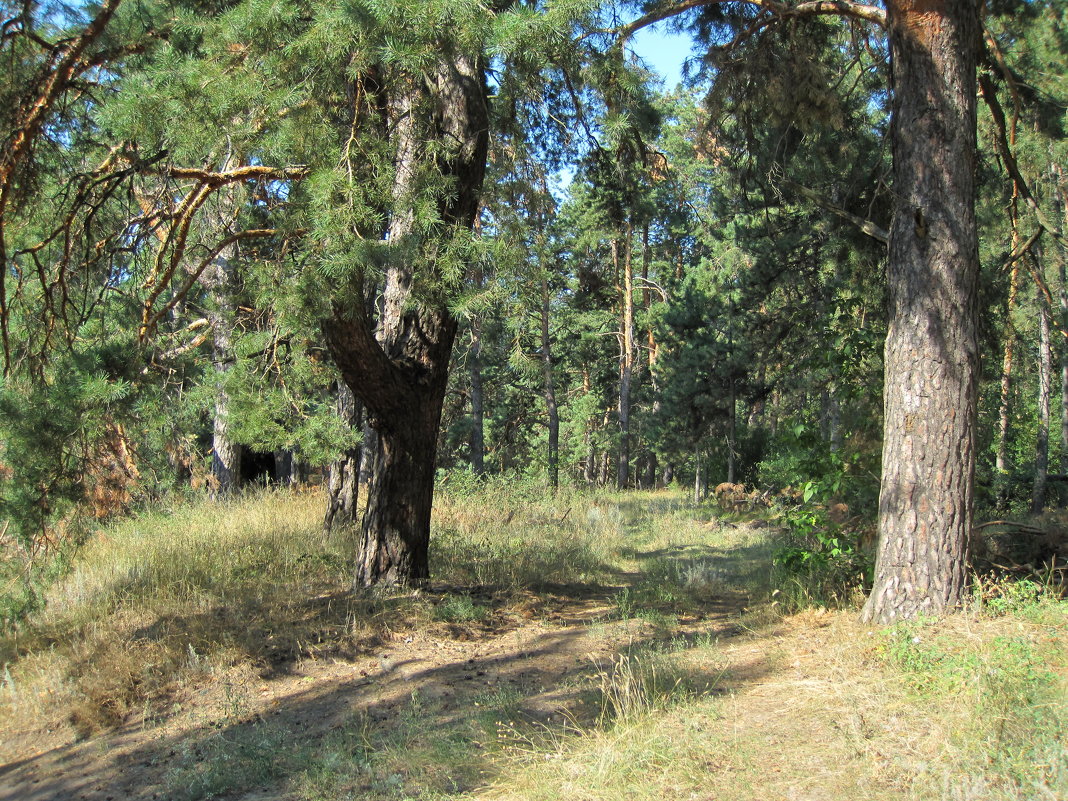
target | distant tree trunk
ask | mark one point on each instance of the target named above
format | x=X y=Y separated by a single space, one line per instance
x=1061 y=195
x=399 y=368
x=221 y=282
x=288 y=469
x=343 y=480
x=549 y=387
x=831 y=418
x=699 y=480
x=626 y=355
x=932 y=350
x=590 y=468
x=478 y=441
x=1045 y=383
x=649 y=474
x=732 y=426
x=1001 y=458
x=1064 y=368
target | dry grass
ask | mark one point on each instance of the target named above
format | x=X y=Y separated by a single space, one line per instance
x=821 y=707
x=706 y=704
x=161 y=601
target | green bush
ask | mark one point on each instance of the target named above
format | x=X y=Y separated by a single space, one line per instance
x=818 y=562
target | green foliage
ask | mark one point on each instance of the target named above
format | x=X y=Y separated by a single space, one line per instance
x=460 y=609
x=818 y=563
x=53 y=430
x=801 y=457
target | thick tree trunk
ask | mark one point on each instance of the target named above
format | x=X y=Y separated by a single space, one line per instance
x=399 y=368
x=932 y=351
x=396 y=525
x=1045 y=386
x=343 y=480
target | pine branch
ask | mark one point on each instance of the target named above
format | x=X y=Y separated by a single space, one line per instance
x=1008 y=158
x=67 y=63
x=150 y=319
x=867 y=226
x=777 y=10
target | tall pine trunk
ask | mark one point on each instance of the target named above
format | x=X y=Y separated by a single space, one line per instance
x=932 y=350
x=1045 y=386
x=627 y=354
x=220 y=280
x=549 y=387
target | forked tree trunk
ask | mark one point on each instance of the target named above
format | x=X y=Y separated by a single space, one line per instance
x=932 y=351
x=398 y=368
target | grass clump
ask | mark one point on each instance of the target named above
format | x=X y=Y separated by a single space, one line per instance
x=460 y=609
x=647 y=680
x=506 y=534
x=156 y=602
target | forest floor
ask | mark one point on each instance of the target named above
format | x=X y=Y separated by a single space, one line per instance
x=601 y=649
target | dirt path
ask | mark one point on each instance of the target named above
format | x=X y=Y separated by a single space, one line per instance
x=538 y=652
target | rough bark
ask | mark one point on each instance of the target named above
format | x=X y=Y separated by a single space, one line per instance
x=399 y=368
x=932 y=353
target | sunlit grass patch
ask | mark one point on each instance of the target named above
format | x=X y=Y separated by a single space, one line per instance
x=170 y=597
x=999 y=687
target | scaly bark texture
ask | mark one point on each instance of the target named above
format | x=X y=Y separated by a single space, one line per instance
x=932 y=352
x=398 y=368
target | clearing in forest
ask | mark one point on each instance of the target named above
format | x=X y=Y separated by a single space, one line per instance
x=582 y=646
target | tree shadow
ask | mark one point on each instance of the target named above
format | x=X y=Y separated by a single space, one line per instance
x=360 y=724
